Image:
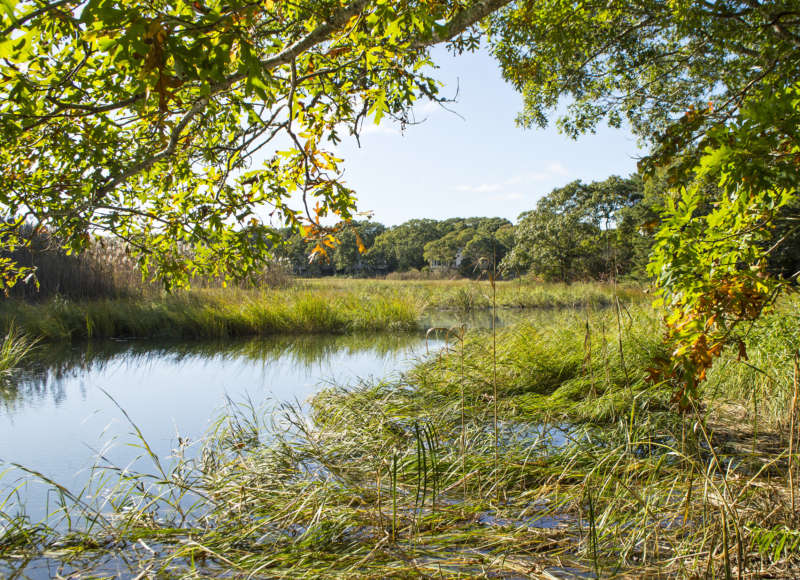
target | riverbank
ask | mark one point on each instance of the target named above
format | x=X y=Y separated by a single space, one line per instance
x=306 y=307
x=213 y=314
x=527 y=452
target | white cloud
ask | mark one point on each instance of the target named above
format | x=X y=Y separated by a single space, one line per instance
x=556 y=168
x=510 y=196
x=553 y=173
x=482 y=188
x=386 y=128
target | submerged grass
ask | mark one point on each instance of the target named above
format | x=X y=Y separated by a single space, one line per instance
x=399 y=479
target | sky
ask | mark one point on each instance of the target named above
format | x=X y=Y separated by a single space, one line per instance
x=476 y=162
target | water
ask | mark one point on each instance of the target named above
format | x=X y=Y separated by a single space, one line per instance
x=66 y=413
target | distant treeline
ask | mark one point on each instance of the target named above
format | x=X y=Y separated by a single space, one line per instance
x=577 y=232
x=458 y=246
x=597 y=231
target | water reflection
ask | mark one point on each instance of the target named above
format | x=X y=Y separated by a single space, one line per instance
x=58 y=417
x=60 y=414
x=476 y=319
x=57 y=365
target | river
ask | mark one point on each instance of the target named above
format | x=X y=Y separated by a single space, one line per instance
x=68 y=411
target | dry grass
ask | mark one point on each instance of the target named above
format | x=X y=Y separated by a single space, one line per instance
x=595 y=471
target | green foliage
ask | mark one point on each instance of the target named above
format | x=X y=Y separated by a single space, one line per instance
x=350 y=255
x=468 y=245
x=569 y=235
x=403 y=246
x=644 y=61
x=712 y=251
x=141 y=120
x=370 y=249
x=712 y=87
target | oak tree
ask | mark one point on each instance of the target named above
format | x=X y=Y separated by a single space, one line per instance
x=193 y=129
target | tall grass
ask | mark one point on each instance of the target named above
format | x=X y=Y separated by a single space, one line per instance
x=598 y=472
x=468 y=295
x=318 y=306
x=212 y=314
x=105 y=270
x=14 y=348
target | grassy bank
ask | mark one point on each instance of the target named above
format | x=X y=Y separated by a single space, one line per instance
x=315 y=306
x=509 y=456
x=214 y=314
x=467 y=295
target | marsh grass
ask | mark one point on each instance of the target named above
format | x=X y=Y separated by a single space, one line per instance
x=399 y=479
x=307 y=307
x=470 y=295
x=213 y=314
x=14 y=349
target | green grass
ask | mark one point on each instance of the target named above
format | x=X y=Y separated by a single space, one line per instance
x=331 y=305
x=467 y=295
x=398 y=479
x=213 y=314
x=14 y=348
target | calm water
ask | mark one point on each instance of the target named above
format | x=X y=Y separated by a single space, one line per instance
x=63 y=413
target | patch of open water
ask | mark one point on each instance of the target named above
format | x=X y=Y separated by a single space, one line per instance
x=66 y=410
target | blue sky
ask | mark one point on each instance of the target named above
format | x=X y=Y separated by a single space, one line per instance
x=476 y=163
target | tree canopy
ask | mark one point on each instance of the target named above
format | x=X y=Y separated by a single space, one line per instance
x=572 y=233
x=143 y=119
x=712 y=88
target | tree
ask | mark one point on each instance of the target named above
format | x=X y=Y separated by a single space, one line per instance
x=712 y=87
x=351 y=255
x=404 y=245
x=464 y=243
x=656 y=64
x=572 y=232
x=447 y=251
x=609 y=205
x=553 y=240
x=142 y=120
x=712 y=252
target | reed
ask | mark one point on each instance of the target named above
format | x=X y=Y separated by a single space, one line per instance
x=105 y=270
x=599 y=473
x=14 y=349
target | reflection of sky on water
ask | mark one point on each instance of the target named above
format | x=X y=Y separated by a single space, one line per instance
x=59 y=418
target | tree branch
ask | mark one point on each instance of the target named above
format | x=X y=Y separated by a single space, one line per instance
x=461 y=21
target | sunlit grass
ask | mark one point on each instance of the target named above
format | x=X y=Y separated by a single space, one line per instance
x=14 y=348
x=328 y=305
x=597 y=470
x=466 y=295
x=213 y=314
